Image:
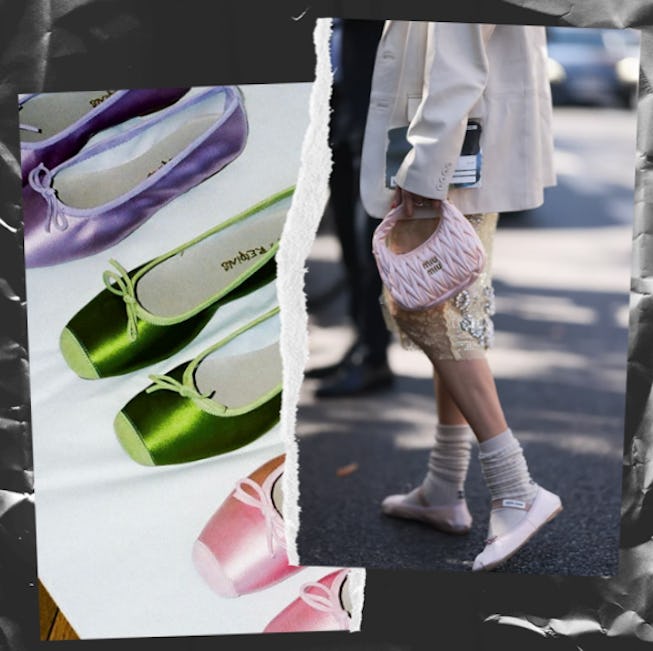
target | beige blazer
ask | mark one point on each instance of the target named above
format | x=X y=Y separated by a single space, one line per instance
x=433 y=77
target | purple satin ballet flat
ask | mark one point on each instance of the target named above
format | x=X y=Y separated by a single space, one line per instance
x=95 y=199
x=55 y=126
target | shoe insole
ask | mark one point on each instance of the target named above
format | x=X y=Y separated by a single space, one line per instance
x=54 y=112
x=345 y=596
x=238 y=380
x=277 y=494
x=195 y=274
x=115 y=171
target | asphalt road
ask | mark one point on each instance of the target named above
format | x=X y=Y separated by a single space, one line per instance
x=561 y=279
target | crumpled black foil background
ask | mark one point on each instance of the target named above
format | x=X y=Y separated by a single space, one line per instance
x=48 y=45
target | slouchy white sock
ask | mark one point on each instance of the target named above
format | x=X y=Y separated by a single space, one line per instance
x=444 y=483
x=508 y=480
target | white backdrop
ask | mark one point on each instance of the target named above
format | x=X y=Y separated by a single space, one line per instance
x=114 y=538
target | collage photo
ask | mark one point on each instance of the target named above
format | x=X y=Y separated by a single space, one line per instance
x=347 y=346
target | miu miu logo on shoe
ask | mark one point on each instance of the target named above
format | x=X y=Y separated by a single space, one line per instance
x=432 y=265
x=244 y=256
x=96 y=101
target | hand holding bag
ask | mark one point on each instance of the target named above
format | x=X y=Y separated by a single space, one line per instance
x=450 y=260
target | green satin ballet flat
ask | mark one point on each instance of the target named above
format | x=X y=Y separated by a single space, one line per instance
x=225 y=398
x=149 y=313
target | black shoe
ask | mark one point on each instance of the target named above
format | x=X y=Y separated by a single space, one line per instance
x=356 y=379
x=322 y=372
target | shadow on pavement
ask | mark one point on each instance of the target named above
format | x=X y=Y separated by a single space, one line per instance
x=568 y=413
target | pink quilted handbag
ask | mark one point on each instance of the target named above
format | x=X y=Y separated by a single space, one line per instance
x=450 y=260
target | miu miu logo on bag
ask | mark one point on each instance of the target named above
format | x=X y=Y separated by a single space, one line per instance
x=432 y=265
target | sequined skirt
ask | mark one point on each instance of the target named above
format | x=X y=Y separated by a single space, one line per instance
x=459 y=328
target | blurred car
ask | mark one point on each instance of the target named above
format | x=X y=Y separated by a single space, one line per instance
x=593 y=66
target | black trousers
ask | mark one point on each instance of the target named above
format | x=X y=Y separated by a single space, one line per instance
x=354 y=228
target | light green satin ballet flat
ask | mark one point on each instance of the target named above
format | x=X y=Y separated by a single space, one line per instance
x=225 y=398
x=149 y=313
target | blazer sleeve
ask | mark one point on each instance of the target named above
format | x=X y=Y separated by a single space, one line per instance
x=455 y=76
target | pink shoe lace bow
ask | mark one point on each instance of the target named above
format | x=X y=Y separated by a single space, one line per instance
x=327 y=599
x=40 y=180
x=261 y=499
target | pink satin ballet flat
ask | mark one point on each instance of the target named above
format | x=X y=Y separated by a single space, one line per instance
x=242 y=548
x=321 y=606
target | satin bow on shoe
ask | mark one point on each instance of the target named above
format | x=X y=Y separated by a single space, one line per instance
x=242 y=548
x=95 y=198
x=262 y=500
x=173 y=421
x=40 y=180
x=319 y=607
x=121 y=285
x=115 y=333
x=165 y=382
x=73 y=130
x=327 y=599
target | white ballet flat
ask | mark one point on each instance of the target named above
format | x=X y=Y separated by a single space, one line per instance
x=454 y=518
x=499 y=549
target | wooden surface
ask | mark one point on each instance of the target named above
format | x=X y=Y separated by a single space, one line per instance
x=53 y=623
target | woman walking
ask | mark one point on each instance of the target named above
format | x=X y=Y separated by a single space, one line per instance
x=461 y=112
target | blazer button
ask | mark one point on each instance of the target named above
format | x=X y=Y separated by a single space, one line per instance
x=388 y=55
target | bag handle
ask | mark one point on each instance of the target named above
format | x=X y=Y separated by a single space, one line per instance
x=448 y=212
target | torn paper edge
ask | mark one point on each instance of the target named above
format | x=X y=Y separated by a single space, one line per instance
x=303 y=218
x=309 y=201
x=356 y=583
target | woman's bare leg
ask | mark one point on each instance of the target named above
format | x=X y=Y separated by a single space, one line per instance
x=448 y=411
x=466 y=392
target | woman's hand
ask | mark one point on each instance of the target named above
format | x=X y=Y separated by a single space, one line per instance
x=410 y=201
x=410 y=232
